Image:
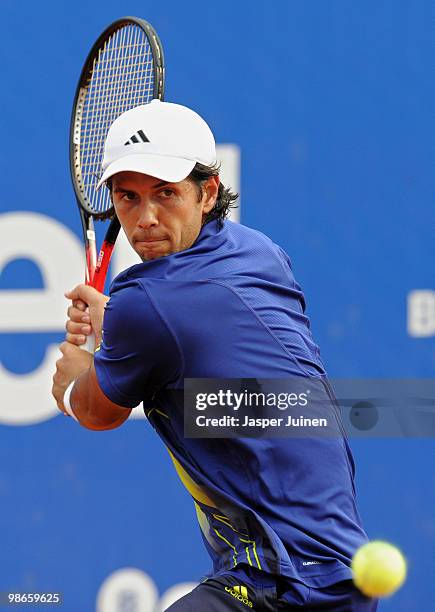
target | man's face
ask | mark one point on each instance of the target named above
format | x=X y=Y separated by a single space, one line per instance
x=160 y=218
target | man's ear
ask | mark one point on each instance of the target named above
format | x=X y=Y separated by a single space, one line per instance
x=210 y=193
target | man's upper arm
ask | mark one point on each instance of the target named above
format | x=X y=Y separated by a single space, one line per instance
x=139 y=352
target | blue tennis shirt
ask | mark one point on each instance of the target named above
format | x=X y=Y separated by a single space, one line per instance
x=229 y=307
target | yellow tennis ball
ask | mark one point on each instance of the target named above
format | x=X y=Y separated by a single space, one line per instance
x=379 y=569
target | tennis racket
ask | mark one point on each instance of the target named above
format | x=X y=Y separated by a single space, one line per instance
x=124 y=69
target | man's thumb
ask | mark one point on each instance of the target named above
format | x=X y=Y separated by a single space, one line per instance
x=82 y=292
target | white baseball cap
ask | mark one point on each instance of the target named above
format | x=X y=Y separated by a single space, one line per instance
x=160 y=139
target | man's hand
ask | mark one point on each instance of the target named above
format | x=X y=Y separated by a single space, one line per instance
x=85 y=314
x=74 y=362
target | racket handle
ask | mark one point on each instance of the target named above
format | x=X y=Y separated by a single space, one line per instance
x=89 y=344
x=97 y=275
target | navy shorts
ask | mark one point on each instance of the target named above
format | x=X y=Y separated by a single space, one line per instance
x=246 y=588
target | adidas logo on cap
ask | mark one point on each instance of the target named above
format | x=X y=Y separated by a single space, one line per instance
x=137 y=137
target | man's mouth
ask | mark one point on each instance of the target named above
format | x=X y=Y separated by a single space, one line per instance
x=149 y=241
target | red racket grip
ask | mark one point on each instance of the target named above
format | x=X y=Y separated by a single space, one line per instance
x=102 y=266
x=105 y=254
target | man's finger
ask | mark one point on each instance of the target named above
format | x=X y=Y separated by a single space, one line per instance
x=65 y=348
x=76 y=339
x=80 y=305
x=78 y=328
x=77 y=315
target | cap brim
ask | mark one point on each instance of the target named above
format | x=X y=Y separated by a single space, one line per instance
x=171 y=169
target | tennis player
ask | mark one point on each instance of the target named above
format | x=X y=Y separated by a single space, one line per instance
x=213 y=299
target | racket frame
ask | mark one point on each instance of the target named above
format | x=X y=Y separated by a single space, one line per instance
x=96 y=269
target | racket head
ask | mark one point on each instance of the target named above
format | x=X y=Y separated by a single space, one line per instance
x=125 y=68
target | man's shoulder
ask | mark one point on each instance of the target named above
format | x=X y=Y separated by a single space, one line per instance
x=247 y=236
x=155 y=301
x=126 y=286
x=131 y=303
x=233 y=250
x=246 y=232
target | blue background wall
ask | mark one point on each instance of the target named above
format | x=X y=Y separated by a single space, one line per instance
x=331 y=104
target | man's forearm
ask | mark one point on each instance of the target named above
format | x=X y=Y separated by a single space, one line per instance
x=91 y=407
x=79 y=401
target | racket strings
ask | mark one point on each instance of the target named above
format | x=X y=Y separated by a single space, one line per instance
x=122 y=77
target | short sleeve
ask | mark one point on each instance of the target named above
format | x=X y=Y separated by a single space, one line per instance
x=138 y=353
x=284 y=258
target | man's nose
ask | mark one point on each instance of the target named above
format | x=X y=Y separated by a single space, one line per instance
x=148 y=215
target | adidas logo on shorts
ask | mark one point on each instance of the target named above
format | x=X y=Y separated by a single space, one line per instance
x=240 y=593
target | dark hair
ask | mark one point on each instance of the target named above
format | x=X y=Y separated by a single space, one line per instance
x=225 y=200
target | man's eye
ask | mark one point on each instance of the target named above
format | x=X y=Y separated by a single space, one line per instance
x=128 y=195
x=166 y=193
